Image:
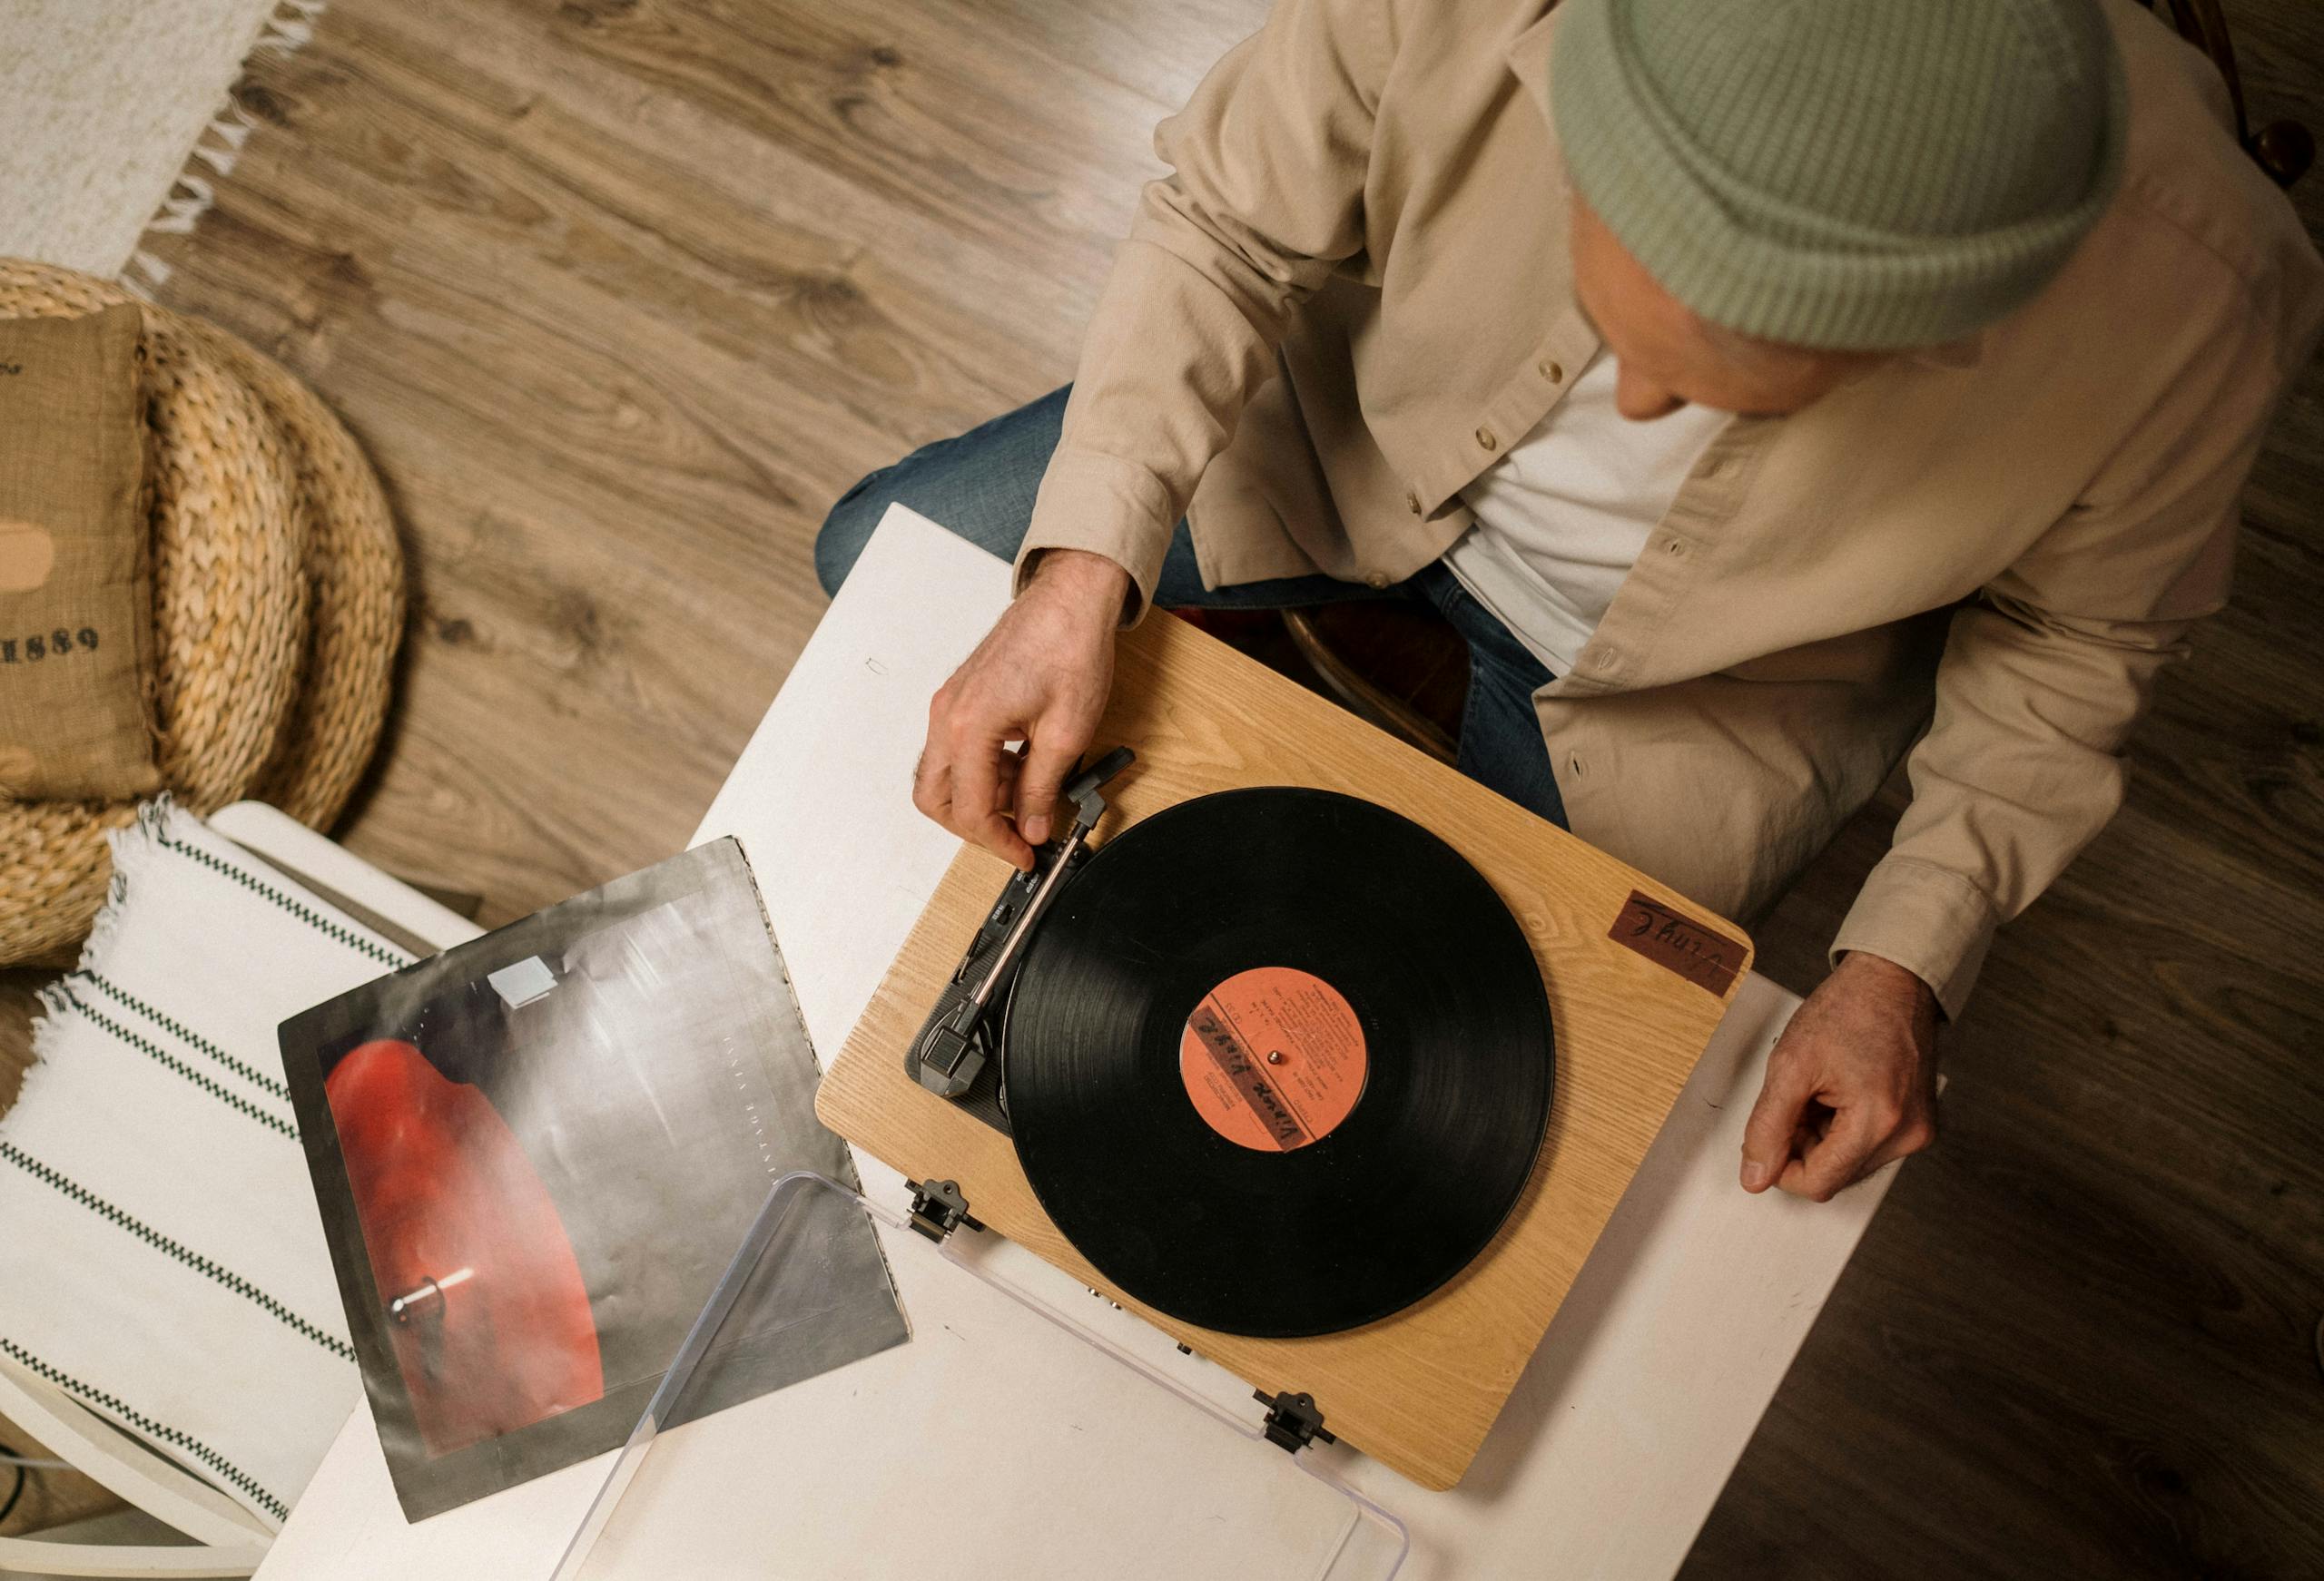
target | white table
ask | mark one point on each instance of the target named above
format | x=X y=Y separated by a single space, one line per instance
x=1611 y=1452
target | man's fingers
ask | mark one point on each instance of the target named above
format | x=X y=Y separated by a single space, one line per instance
x=1859 y=1142
x=1849 y=1145
x=1041 y=674
x=965 y=792
x=1839 y=1160
x=1775 y=1120
x=1050 y=757
x=1909 y=1137
x=976 y=804
x=931 y=783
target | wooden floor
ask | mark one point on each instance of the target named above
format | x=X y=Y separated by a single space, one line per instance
x=620 y=294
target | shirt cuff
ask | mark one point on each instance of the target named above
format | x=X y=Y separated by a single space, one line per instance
x=1108 y=506
x=1929 y=920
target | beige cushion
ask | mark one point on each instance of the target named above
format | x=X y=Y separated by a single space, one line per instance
x=76 y=628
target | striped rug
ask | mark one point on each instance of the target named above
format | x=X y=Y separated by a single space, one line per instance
x=163 y=1261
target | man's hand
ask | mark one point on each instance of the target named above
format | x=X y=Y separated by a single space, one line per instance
x=1851 y=1085
x=1040 y=676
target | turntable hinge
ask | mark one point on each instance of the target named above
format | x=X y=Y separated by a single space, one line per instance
x=938 y=1209
x=1293 y=1421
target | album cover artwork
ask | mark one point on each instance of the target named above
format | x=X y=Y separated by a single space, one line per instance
x=535 y=1155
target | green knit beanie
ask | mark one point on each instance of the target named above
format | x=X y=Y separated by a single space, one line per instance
x=1849 y=174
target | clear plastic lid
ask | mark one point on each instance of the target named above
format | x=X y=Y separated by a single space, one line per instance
x=1010 y=1437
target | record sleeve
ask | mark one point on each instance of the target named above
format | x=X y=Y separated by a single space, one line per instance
x=533 y=1155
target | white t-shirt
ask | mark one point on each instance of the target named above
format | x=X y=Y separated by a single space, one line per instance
x=1563 y=516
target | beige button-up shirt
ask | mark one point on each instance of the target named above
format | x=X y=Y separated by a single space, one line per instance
x=1355 y=287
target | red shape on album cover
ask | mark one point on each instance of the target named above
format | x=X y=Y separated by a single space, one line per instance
x=487 y=1307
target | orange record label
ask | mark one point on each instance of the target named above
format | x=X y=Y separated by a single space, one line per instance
x=1273 y=1058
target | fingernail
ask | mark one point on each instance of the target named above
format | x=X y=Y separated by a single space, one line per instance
x=1755 y=1174
x=1036 y=829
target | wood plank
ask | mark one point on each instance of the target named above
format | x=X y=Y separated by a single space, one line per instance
x=471 y=223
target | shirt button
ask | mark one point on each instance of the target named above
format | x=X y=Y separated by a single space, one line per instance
x=1553 y=372
x=1575 y=764
x=1414 y=501
x=1675 y=547
x=1376 y=581
x=1485 y=438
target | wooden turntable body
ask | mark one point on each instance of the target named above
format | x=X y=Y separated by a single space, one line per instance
x=1637 y=977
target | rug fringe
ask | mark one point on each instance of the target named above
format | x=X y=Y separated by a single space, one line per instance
x=133 y=849
x=288 y=28
x=287 y=32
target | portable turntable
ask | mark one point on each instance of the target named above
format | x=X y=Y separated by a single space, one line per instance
x=1326 y=1061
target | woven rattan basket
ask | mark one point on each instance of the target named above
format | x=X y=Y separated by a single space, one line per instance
x=277 y=603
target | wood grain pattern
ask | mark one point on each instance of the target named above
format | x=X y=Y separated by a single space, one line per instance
x=1420 y=1389
x=620 y=297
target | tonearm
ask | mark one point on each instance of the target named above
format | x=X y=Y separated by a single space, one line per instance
x=957 y=1036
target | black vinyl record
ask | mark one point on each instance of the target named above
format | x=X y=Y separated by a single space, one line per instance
x=1278 y=1062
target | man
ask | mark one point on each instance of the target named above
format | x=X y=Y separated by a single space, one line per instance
x=1757 y=386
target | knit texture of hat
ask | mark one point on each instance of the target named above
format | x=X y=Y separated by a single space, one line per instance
x=1856 y=174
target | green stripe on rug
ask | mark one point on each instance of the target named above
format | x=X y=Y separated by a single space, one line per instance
x=129 y=1001
x=145 y=1424
x=162 y=1057
x=306 y=914
x=224 y=1277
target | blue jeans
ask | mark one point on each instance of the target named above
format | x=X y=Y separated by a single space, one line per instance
x=981 y=486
